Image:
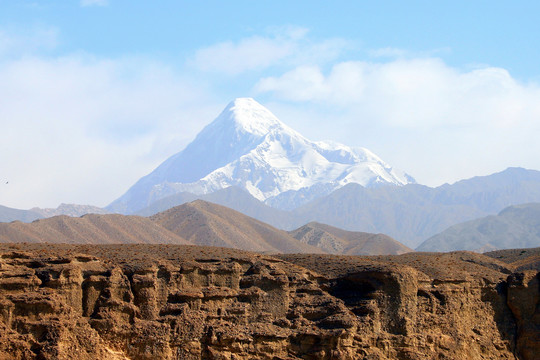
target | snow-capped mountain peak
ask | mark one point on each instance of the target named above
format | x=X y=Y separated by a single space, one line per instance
x=248 y=116
x=249 y=147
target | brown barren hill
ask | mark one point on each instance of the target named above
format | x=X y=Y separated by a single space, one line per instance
x=89 y=229
x=338 y=241
x=208 y=224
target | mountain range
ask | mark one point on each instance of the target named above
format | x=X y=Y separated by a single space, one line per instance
x=249 y=161
x=407 y=212
x=411 y=213
x=195 y=223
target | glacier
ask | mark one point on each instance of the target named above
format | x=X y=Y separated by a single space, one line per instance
x=249 y=147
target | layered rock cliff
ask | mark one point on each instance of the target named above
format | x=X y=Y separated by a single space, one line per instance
x=188 y=302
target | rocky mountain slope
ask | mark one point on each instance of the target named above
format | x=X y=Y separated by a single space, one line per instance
x=515 y=226
x=185 y=302
x=247 y=146
x=338 y=241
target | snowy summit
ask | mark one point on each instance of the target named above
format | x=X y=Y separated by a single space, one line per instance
x=249 y=147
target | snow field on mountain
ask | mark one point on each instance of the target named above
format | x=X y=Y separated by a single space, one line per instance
x=247 y=146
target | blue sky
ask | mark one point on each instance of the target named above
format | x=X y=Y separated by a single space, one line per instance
x=96 y=93
x=463 y=33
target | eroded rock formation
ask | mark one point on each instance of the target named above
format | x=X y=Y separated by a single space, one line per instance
x=187 y=302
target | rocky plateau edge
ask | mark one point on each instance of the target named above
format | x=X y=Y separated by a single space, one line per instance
x=190 y=302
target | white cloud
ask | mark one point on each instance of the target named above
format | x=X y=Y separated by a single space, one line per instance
x=85 y=3
x=285 y=45
x=249 y=54
x=392 y=52
x=27 y=41
x=77 y=129
x=388 y=52
x=83 y=129
x=435 y=121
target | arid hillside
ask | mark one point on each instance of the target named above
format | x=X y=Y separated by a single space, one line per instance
x=204 y=223
x=199 y=223
x=89 y=229
x=337 y=241
x=169 y=302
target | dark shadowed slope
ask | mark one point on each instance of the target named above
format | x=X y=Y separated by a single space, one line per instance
x=204 y=223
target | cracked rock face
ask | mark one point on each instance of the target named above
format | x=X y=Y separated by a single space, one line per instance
x=188 y=302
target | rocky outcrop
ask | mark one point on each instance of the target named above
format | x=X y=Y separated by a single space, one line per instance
x=524 y=301
x=188 y=302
